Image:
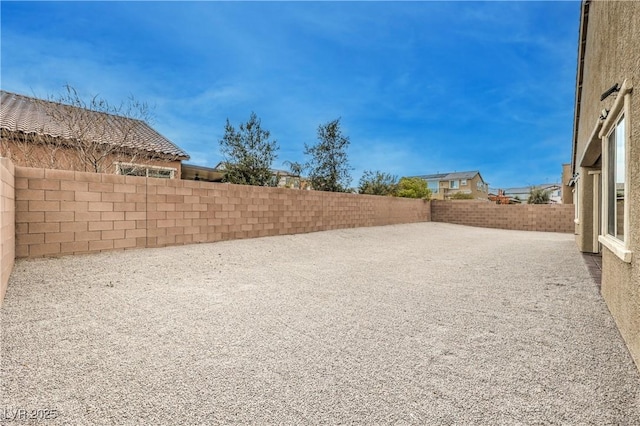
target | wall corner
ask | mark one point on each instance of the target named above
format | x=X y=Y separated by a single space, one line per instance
x=7 y=223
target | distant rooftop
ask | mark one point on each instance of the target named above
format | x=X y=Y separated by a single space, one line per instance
x=450 y=175
x=524 y=190
x=527 y=189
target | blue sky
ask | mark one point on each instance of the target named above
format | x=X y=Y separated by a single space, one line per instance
x=421 y=87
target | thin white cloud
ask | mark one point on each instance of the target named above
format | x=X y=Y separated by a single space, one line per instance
x=420 y=86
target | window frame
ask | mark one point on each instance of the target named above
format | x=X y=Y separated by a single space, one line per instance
x=454 y=184
x=619 y=111
x=434 y=183
x=172 y=170
x=611 y=189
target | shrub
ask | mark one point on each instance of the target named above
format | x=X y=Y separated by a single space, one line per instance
x=462 y=196
x=413 y=188
x=538 y=196
x=377 y=183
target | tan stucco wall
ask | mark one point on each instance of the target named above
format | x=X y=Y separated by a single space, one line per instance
x=567 y=191
x=612 y=54
x=473 y=186
x=585 y=227
x=7 y=223
x=621 y=290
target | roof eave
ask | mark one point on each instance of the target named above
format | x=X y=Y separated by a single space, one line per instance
x=582 y=41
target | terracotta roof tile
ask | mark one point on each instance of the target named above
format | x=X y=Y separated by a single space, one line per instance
x=24 y=114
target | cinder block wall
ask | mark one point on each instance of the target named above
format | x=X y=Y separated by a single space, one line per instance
x=524 y=217
x=65 y=212
x=7 y=223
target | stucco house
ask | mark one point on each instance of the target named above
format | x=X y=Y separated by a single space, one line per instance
x=280 y=178
x=444 y=185
x=606 y=155
x=498 y=196
x=522 y=193
x=40 y=133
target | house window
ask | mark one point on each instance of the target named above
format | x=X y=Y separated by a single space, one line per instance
x=433 y=186
x=145 y=171
x=454 y=184
x=131 y=170
x=616 y=169
x=159 y=173
x=615 y=177
x=463 y=182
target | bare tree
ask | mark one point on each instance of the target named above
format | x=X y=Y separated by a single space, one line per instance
x=87 y=135
x=34 y=149
x=100 y=133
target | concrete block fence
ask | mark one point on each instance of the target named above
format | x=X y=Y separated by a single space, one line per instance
x=61 y=212
x=58 y=212
x=524 y=217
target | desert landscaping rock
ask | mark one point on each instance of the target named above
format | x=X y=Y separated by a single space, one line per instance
x=426 y=323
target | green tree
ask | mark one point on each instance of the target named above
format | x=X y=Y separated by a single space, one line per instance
x=462 y=196
x=329 y=165
x=538 y=196
x=248 y=153
x=377 y=183
x=413 y=188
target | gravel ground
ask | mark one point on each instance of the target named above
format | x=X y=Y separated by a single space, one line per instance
x=426 y=323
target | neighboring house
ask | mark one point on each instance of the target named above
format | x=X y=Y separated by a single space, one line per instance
x=499 y=197
x=39 y=133
x=522 y=193
x=286 y=179
x=444 y=185
x=605 y=161
x=279 y=178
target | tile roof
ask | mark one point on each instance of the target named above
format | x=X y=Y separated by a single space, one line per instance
x=462 y=175
x=450 y=176
x=437 y=176
x=24 y=114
